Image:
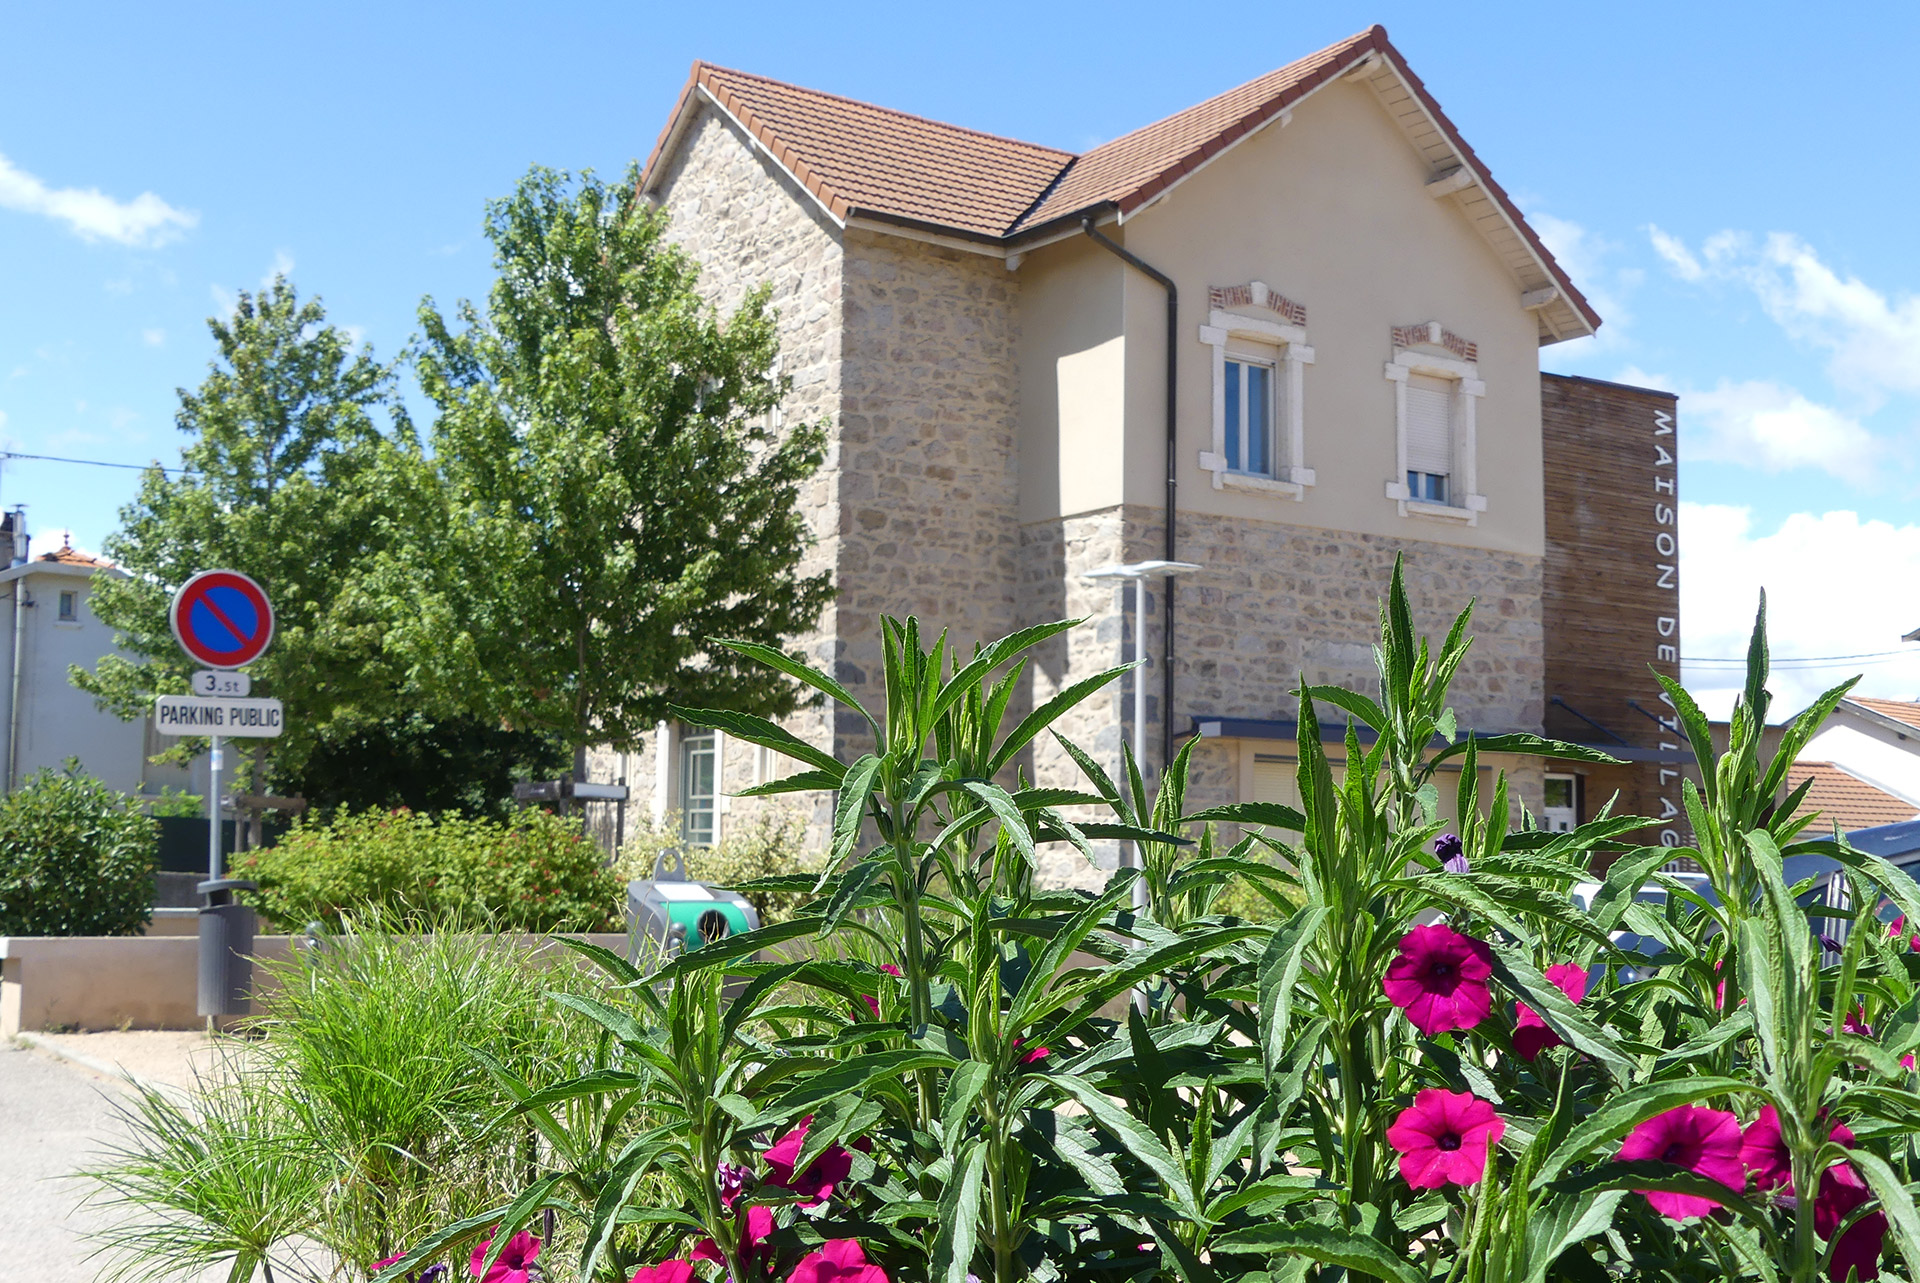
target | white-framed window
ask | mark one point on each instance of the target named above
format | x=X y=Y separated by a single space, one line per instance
x=69 y=607
x=1435 y=395
x=1259 y=353
x=699 y=788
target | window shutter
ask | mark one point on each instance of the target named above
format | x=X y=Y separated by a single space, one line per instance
x=1276 y=779
x=1429 y=424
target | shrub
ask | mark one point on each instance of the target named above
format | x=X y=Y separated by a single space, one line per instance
x=772 y=844
x=75 y=859
x=535 y=872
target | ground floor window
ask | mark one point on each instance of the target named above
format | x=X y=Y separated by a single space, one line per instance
x=699 y=792
x=1561 y=814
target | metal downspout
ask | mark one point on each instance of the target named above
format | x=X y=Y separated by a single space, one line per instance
x=1173 y=357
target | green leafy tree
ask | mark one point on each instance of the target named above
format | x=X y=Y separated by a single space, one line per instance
x=288 y=479
x=615 y=487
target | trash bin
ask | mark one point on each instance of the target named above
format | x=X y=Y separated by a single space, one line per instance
x=226 y=949
x=677 y=914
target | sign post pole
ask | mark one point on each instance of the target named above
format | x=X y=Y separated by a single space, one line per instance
x=214 y=854
x=223 y=619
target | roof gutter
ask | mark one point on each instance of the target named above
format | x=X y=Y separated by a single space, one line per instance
x=1173 y=359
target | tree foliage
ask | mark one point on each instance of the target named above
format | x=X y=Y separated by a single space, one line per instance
x=614 y=487
x=289 y=479
x=75 y=859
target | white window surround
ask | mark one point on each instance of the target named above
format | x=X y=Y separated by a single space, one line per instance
x=1463 y=482
x=1291 y=356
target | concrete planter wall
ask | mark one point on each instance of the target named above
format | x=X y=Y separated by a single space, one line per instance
x=138 y=982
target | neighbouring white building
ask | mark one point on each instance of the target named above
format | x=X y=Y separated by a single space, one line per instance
x=46 y=626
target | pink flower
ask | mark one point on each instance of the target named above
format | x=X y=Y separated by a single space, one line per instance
x=1898 y=927
x=515 y=1263
x=758 y=1226
x=1440 y=979
x=1764 y=1152
x=817 y=1182
x=1856 y=1023
x=1444 y=1138
x=674 y=1271
x=839 y=1260
x=1530 y=1033
x=872 y=1002
x=1858 y=1248
x=1033 y=1057
x=1705 y=1141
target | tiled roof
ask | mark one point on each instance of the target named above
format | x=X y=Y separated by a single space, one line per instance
x=1898 y=710
x=71 y=556
x=855 y=156
x=1134 y=168
x=1846 y=800
x=859 y=159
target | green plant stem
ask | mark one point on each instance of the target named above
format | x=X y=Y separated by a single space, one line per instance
x=1003 y=1262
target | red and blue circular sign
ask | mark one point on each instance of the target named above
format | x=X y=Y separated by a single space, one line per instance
x=222 y=618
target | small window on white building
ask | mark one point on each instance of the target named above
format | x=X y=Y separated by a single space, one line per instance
x=1436 y=388
x=1259 y=343
x=1429 y=437
x=699 y=791
x=69 y=607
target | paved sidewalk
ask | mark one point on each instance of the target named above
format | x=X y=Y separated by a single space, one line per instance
x=55 y=1117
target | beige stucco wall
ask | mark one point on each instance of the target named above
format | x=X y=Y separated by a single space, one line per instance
x=1072 y=380
x=1329 y=210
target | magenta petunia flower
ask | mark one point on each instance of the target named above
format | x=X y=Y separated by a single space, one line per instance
x=1440 y=979
x=1856 y=1023
x=1764 y=1152
x=822 y=1174
x=839 y=1260
x=1705 y=1141
x=1859 y=1248
x=381 y=1265
x=673 y=1271
x=759 y=1225
x=1444 y=1138
x=515 y=1263
x=1898 y=928
x=1530 y=1033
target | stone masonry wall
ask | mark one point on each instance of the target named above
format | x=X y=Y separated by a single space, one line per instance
x=1273 y=601
x=747 y=224
x=928 y=490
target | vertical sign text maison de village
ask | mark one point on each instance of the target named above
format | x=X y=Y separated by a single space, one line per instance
x=1666 y=575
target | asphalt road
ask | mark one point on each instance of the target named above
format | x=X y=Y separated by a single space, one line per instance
x=55 y=1118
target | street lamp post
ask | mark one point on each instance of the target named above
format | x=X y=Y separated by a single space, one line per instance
x=1140 y=572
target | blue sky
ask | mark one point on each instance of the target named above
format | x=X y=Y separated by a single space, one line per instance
x=1730 y=192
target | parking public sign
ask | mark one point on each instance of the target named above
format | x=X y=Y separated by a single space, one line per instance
x=222 y=619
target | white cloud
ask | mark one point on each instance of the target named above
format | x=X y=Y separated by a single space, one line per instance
x=143 y=222
x=1836 y=585
x=1774 y=427
x=282 y=266
x=1872 y=338
x=1678 y=256
x=155 y=337
x=224 y=300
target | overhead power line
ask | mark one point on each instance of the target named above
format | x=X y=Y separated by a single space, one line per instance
x=92 y=463
x=1800 y=661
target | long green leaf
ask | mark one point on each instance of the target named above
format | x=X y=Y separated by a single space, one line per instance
x=805 y=672
x=959 y=1216
x=1531 y=746
x=758 y=730
x=1279 y=973
x=1048 y=713
x=1355 y=1252
x=1134 y=1136
x=1627 y=1110
x=1273 y=815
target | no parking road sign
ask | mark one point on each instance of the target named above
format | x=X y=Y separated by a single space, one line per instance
x=222 y=618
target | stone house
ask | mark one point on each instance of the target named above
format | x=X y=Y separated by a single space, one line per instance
x=1283 y=335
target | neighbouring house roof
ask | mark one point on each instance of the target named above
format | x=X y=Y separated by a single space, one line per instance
x=1845 y=799
x=71 y=556
x=862 y=161
x=1899 y=710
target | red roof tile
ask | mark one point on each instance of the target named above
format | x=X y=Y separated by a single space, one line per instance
x=1898 y=710
x=71 y=556
x=1846 y=800
x=856 y=158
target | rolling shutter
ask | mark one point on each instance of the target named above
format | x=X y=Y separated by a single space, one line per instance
x=1429 y=424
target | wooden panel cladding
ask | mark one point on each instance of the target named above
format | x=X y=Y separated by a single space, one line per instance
x=1611 y=597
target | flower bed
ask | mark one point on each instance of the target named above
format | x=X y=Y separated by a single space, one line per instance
x=1427 y=1065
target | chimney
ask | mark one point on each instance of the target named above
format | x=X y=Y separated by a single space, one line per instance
x=16 y=525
